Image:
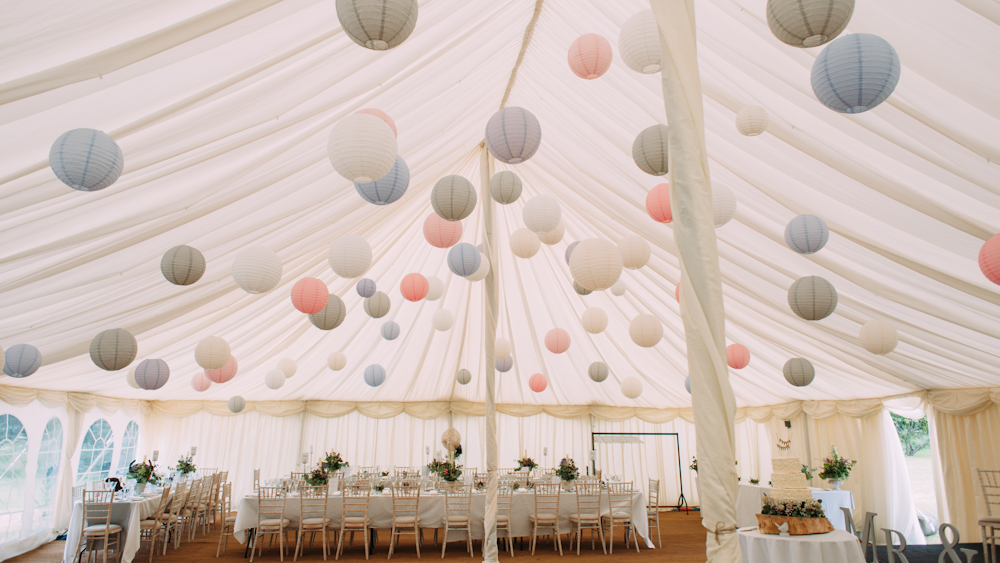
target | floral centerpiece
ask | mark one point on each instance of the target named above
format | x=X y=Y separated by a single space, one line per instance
x=812 y=509
x=143 y=473
x=526 y=462
x=185 y=465
x=451 y=472
x=567 y=472
x=435 y=467
x=836 y=469
x=317 y=477
x=801 y=518
x=333 y=462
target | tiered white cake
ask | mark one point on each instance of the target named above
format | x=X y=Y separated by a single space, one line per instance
x=788 y=483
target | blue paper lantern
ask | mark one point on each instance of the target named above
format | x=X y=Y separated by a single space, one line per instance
x=503 y=365
x=806 y=234
x=463 y=259
x=569 y=249
x=513 y=135
x=374 y=375
x=855 y=73
x=388 y=188
x=390 y=330
x=22 y=360
x=152 y=374
x=366 y=288
x=86 y=159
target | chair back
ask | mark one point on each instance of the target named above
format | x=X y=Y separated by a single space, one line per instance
x=587 y=479
x=458 y=501
x=271 y=504
x=206 y=471
x=97 y=507
x=210 y=489
x=194 y=493
x=226 y=500
x=508 y=470
x=356 y=501
x=405 y=501
x=314 y=501
x=98 y=486
x=400 y=471
x=180 y=499
x=256 y=480
x=653 y=498
x=504 y=499
x=78 y=493
x=588 y=499
x=989 y=482
x=164 y=502
x=367 y=471
x=547 y=499
x=620 y=497
x=225 y=476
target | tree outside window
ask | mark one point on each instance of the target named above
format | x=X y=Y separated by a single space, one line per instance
x=130 y=443
x=95 y=453
x=49 y=456
x=13 y=465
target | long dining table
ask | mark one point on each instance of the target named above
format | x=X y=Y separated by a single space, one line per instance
x=126 y=512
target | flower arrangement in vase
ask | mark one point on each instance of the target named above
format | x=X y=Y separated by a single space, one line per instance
x=567 y=472
x=317 y=477
x=333 y=462
x=451 y=472
x=185 y=465
x=143 y=473
x=526 y=462
x=836 y=469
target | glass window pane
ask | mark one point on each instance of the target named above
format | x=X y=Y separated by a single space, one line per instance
x=45 y=478
x=95 y=453
x=13 y=465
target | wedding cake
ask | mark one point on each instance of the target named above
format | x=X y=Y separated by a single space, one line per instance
x=788 y=483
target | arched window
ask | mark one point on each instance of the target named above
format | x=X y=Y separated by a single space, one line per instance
x=13 y=463
x=49 y=455
x=95 y=453
x=130 y=443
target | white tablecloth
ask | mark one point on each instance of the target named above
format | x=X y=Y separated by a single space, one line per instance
x=127 y=514
x=837 y=546
x=750 y=499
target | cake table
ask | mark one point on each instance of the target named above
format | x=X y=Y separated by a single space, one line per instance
x=837 y=546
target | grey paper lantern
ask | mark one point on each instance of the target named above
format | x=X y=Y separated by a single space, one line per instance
x=331 y=316
x=464 y=259
x=806 y=234
x=569 y=250
x=350 y=256
x=377 y=24
x=513 y=135
x=580 y=289
x=390 y=330
x=687 y=384
x=366 y=288
x=503 y=365
x=257 y=270
x=377 y=306
x=453 y=198
x=650 y=150
x=463 y=377
x=374 y=375
x=808 y=23
x=22 y=360
x=113 y=349
x=152 y=374
x=799 y=372
x=855 y=73
x=505 y=187
x=362 y=148
x=598 y=371
x=812 y=298
x=388 y=188
x=237 y=404
x=86 y=159
x=182 y=265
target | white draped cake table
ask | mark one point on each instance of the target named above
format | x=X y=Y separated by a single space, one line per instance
x=750 y=499
x=837 y=546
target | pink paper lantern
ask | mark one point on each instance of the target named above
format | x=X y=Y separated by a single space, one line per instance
x=414 y=287
x=383 y=116
x=223 y=374
x=557 y=341
x=658 y=204
x=677 y=293
x=590 y=56
x=737 y=356
x=538 y=383
x=199 y=382
x=440 y=232
x=310 y=295
x=989 y=259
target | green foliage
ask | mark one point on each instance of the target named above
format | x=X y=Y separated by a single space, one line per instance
x=812 y=509
x=567 y=470
x=835 y=466
x=913 y=434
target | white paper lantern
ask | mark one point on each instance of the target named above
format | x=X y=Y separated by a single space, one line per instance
x=274 y=379
x=723 y=204
x=501 y=348
x=113 y=349
x=435 y=288
x=378 y=305
x=524 y=243
x=212 y=352
x=596 y=264
x=646 y=330
x=337 y=361
x=463 y=377
x=594 y=320
x=464 y=259
x=580 y=290
x=541 y=213
x=808 y=23
x=569 y=250
x=374 y=375
x=878 y=337
x=639 y=43
x=200 y=382
x=634 y=251
x=806 y=234
x=388 y=188
x=812 y=298
x=332 y=315
x=650 y=150
x=451 y=439
x=855 y=73
x=631 y=387
x=362 y=148
x=86 y=159
x=377 y=24
x=442 y=319
x=505 y=187
x=752 y=121
x=287 y=366
x=390 y=330
x=482 y=271
x=22 y=360
x=130 y=379
x=553 y=236
x=453 y=198
x=799 y=372
x=152 y=374
x=618 y=289
x=503 y=365
x=257 y=270
x=182 y=265
x=237 y=404
x=350 y=256
x=513 y=135
x=598 y=371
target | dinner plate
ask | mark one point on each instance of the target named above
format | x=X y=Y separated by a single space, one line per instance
x=137 y=498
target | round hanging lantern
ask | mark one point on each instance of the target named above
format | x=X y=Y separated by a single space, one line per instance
x=441 y=233
x=501 y=348
x=152 y=374
x=538 y=383
x=799 y=372
x=274 y=379
x=463 y=377
x=482 y=271
x=737 y=356
x=237 y=404
x=435 y=288
x=855 y=73
x=618 y=289
x=808 y=23
x=199 y=382
x=989 y=259
x=310 y=295
x=723 y=204
x=806 y=234
x=524 y=243
x=812 y=298
x=451 y=439
x=503 y=365
x=377 y=306
x=212 y=352
x=374 y=375
x=22 y=360
x=639 y=43
x=505 y=187
x=390 y=330
x=377 y=24
x=752 y=121
x=631 y=387
x=337 y=361
x=130 y=379
x=453 y=198
x=86 y=159
x=878 y=337
x=513 y=135
x=658 y=204
x=414 y=287
x=646 y=330
x=580 y=290
x=383 y=116
x=287 y=366
x=388 y=188
x=350 y=256
x=442 y=320
x=553 y=236
x=366 y=287
x=634 y=251
x=570 y=249
x=182 y=265
x=677 y=293
x=223 y=374
x=332 y=315
x=598 y=371
x=257 y=270
x=596 y=264
x=557 y=341
x=464 y=259
x=541 y=214
x=362 y=148
x=687 y=384
x=113 y=349
x=590 y=56
x=594 y=320
x=649 y=150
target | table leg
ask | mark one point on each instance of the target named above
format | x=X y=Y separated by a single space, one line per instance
x=250 y=534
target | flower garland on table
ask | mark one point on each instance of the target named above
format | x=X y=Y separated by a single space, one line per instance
x=527 y=462
x=567 y=470
x=812 y=509
x=333 y=462
x=836 y=467
x=144 y=472
x=185 y=465
x=317 y=477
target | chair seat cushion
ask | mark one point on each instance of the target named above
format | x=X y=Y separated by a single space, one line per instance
x=149 y=524
x=542 y=517
x=230 y=519
x=405 y=520
x=355 y=520
x=503 y=518
x=454 y=519
x=168 y=518
x=274 y=522
x=618 y=516
x=315 y=521
x=98 y=529
x=584 y=517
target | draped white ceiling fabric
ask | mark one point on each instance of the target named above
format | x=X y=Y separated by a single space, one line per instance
x=223 y=111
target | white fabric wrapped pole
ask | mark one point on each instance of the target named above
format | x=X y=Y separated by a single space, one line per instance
x=490 y=305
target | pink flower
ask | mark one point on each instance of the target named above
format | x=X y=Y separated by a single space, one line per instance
x=809 y=506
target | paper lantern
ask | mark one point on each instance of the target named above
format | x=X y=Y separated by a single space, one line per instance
x=501 y=348
x=212 y=352
x=152 y=374
x=257 y=270
x=310 y=295
x=22 y=360
x=570 y=249
x=332 y=315
x=650 y=150
x=383 y=116
x=199 y=382
x=598 y=371
x=799 y=372
x=390 y=330
x=442 y=319
x=634 y=251
x=378 y=305
x=441 y=233
x=377 y=24
x=639 y=43
x=337 y=361
x=287 y=366
x=86 y=159
x=812 y=298
x=580 y=290
x=463 y=377
x=737 y=356
x=538 y=383
x=590 y=56
x=362 y=148
x=388 y=188
x=855 y=73
x=435 y=288
x=878 y=337
x=631 y=387
x=806 y=234
x=274 y=379
x=618 y=289
x=541 y=213
x=752 y=121
x=414 y=287
x=237 y=404
x=524 y=243
x=505 y=187
x=677 y=292
x=723 y=204
x=464 y=259
x=453 y=198
x=503 y=365
x=687 y=384
x=366 y=287
x=646 y=330
x=225 y=373
x=658 y=204
x=594 y=320
x=374 y=375
x=482 y=271
x=451 y=439
x=989 y=259
x=553 y=236
x=557 y=341
x=350 y=256
x=596 y=264
x=130 y=379
x=513 y=134
x=808 y=23
x=113 y=349
x=182 y=265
